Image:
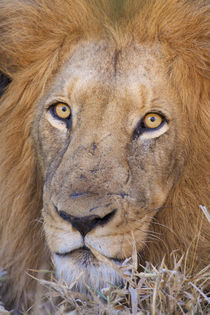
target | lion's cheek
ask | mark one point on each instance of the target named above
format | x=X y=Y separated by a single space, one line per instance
x=60 y=235
x=159 y=194
x=118 y=244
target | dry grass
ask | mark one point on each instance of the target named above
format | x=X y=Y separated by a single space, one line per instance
x=155 y=290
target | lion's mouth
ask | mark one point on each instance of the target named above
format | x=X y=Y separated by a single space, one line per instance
x=72 y=252
x=85 y=257
x=80 y=267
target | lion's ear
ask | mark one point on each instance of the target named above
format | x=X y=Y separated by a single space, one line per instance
x=4 y=82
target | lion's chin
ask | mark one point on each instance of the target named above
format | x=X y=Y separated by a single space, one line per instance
x=82 y=267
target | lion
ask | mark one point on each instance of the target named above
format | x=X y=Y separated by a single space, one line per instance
x=104 y=137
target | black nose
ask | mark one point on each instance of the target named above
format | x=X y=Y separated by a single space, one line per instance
x=88 y=223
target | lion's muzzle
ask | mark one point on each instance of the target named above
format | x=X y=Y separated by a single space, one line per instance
x=87 y=223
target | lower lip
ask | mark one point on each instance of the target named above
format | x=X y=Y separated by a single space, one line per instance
x=87 y=251
x=81 y=249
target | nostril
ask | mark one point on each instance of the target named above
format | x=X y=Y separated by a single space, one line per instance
x=64 y=216
x=107 y=218
x=87 y=223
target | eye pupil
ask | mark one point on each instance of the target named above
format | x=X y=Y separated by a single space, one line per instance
x=152 y=119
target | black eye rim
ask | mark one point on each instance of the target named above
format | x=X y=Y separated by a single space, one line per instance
x=68 y=120
x=142 y=128
x=4 y=82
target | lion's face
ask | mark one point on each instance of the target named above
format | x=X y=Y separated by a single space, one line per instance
x=108 y=165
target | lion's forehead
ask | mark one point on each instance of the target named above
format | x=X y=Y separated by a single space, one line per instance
x=116 y=69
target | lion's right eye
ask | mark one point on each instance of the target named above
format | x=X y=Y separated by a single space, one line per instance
x=61 y=111
x=60 y=114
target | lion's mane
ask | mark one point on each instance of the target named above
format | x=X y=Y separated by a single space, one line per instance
x=36 y=37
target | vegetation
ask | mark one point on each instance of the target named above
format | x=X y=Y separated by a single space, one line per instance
x=154 y=290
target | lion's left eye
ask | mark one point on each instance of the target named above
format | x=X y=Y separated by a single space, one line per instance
x=150 y=125
x=152 y=120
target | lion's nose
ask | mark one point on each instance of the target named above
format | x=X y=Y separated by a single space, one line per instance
x=85 y=224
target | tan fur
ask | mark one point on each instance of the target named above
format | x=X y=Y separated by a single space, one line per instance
x=37 y=38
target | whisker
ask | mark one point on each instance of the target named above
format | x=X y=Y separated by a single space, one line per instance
x=164 y=226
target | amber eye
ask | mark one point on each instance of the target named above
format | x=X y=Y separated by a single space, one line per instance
x=62 y=111
x=152 y=120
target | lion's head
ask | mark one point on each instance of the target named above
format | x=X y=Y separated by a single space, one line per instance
x=105 y=132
